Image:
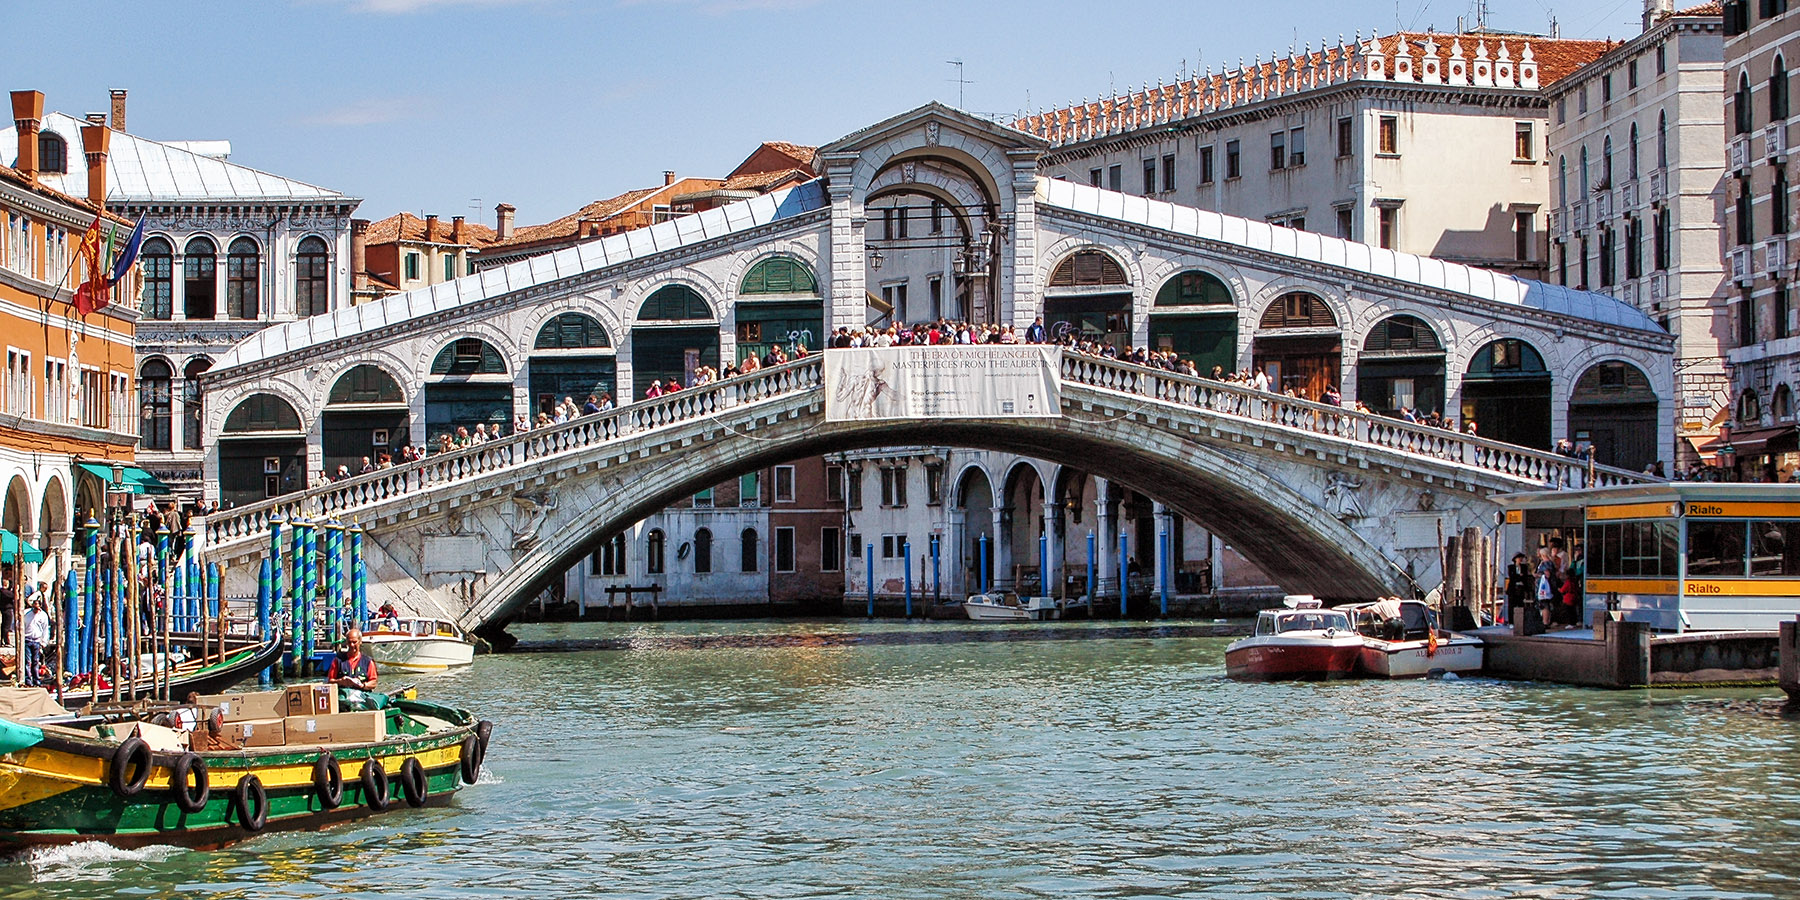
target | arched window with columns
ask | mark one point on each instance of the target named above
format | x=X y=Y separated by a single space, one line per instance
x=312 y=279
x=243 y=276
x=158 y=263
x=200 y=281
x=155 y=401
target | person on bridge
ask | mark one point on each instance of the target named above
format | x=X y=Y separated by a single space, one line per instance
x=1034 y=333
x=350 y=668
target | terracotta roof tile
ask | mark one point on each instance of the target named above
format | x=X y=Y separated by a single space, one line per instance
x=1704 y=9
x=408 y=227
x=800 y=153
x=17 y=177
x=763 y=181
x=569 y=227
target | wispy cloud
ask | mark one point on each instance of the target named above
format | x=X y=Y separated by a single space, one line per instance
x=368 y=111
x=726 y=7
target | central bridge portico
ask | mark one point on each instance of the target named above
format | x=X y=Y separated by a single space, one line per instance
x=656 y=303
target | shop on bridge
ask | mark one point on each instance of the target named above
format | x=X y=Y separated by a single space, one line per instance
x=365 y=416
x=1298 y=343
x=1401 y=366
x=1089 y=298
x=779 y=306
x=1196 y=316
x=1506 y=391
x=571 y=358
x=262 y=451
x=1613 y=410
x=469 y=386
x=675 y=335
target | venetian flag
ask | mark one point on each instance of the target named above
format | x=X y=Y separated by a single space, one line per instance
x=129 y=255
x=93 y=293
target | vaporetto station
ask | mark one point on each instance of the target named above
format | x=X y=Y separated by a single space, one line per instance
x=1528 y=361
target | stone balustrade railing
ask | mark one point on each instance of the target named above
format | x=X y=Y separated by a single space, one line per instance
x=344 y=499
x=1244 y=402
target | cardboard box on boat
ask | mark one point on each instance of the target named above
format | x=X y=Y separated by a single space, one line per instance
x=310 y=700
x=243 y=707
x=364 y=727
x=257 y=732
x=160 y=739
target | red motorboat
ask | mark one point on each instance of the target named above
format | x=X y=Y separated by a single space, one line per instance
x=1301 y=641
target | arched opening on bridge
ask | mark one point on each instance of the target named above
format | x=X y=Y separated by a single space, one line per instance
x=1401 y=366
x=779 y=306
x=1089 y=298
x=262 y=451
x=674 y=336
x=571 y=358
x=1196 y=316
x=933 y=247
x=365 y=418
x=1022 y=521
x=1507 y=393
x=468 y=387
x=1613 y=408
x=975 y=522
x=1071 y=513
x=1298 y=343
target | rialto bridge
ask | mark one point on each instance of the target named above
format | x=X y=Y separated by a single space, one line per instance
x=476 y=531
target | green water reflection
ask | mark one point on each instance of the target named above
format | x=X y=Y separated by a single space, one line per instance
x=906 y=766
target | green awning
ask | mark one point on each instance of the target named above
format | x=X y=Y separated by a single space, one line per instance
x=12 y=549
x=137 y=481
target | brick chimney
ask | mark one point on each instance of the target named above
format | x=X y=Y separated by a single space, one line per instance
x=95 y=139
x=668 y=177
x=118 y=109
x=28 y=116
x=96 y=119
x=503 y=221
x=359 y=254
x=431 y=229
x=458 y=230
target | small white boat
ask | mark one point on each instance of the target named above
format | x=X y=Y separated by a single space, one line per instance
x=1401 y=640
x=1300 y=641
x=418 y=645
x=996 y=606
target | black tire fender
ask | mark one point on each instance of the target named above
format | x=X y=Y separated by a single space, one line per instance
x=484 y=730
x=374 y=785
x=471 y=759
x=190 y=783
x=252 y=803
x=328 y=781
x=132 y=759
x=413 y=784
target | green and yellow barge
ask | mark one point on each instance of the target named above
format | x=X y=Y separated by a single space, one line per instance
x=93 y=777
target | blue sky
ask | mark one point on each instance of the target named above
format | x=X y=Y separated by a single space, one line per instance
x=452 y=106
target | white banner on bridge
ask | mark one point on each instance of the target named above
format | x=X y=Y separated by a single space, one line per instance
x=987 y=381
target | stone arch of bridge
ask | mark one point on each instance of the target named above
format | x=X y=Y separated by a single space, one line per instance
x=1223 y=489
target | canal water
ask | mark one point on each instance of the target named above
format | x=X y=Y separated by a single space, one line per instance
x=778 y=760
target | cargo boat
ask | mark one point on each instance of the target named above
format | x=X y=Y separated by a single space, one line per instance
x=118 y=777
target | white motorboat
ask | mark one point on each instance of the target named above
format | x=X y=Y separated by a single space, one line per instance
x=996 y=606
x=1401 y=640
x=1300 y=641
x=418 y=645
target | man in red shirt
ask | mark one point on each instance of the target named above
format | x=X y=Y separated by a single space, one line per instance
x=350 y=668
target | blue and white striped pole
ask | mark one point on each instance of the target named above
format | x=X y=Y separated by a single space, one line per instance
x=1124 y=572
x=869 y=574
x=1093 y=548
x=906 y=560
x=1164 y=560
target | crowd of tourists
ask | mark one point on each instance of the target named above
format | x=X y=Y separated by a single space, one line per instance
x=1549 y=588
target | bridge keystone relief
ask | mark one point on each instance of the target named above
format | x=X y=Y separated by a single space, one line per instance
x=1323 y=498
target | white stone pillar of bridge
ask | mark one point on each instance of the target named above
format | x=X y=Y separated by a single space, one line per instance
x=1001 y=545
x=954 y=556
x=848 y=305
x=1020 y=299
x=1106 y=540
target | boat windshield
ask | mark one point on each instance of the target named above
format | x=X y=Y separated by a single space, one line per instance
x=1312 y=620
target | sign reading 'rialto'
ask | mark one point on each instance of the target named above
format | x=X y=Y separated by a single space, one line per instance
x=986 y=381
